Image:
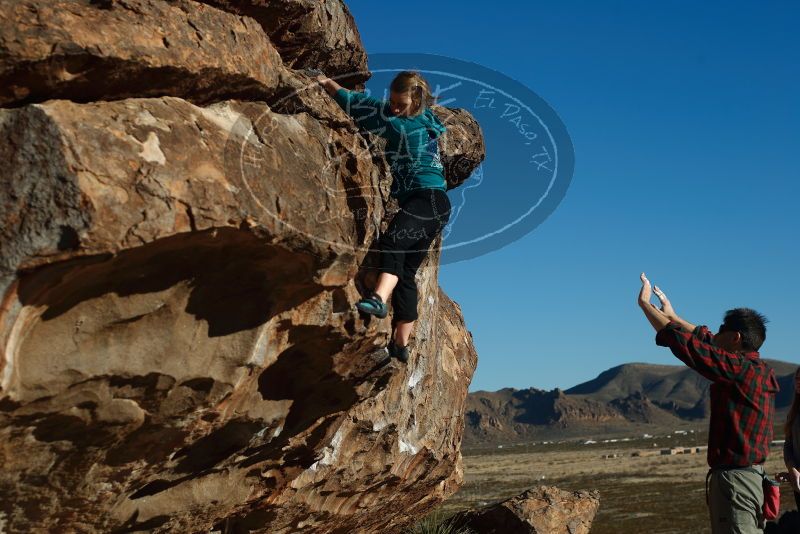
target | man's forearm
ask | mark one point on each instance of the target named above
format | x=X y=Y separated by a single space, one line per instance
x=685 y=324
x=656 y=317
x=659 y=319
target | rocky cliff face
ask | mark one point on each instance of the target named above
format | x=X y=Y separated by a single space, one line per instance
x=509 y=415
x=185 y=231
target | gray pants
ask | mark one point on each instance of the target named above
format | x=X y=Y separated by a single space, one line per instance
x=735 y=499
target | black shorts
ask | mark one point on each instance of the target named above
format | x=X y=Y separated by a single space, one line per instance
x=404 y=246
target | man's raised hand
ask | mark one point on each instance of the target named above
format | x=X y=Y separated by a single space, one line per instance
x=659 y=317
x=666 y=305
x=656 y=317
x=646 y=293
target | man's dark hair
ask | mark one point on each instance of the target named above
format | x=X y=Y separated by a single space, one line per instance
x=750 y=324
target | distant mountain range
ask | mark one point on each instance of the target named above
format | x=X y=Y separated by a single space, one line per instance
x=629 y=398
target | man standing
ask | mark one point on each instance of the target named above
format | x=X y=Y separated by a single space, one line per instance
x=743 y=392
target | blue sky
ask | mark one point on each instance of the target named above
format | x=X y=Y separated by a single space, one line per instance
x=685 y=121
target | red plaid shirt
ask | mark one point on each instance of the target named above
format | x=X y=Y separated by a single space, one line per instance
x=742 y=395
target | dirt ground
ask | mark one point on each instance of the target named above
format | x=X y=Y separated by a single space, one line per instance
x=653 y=494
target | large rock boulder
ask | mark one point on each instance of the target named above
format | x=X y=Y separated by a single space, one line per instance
x=461 y=146
x=179 y=348
x=180 y=345
x=542 y=510
x=320 y=34
x=84 y=50
x=53 y=49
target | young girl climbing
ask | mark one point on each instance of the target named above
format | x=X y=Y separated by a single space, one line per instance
x=412 y=151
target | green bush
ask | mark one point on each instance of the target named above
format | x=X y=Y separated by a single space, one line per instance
x=437 y=523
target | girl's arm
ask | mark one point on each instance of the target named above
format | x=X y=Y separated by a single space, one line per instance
x=368 y=112
x=330 y=85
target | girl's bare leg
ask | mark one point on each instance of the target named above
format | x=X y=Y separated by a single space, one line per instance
x=385 y=286
x=402 y=331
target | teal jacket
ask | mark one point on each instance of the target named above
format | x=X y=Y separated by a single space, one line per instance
x=412 y=148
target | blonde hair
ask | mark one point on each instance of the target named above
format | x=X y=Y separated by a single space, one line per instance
x=410 y=81
x=787 y=429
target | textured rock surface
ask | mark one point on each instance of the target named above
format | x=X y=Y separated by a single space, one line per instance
x=542 y=510
x=462 y=146
x=84 y=50
x=317 y=34
x=179 y=348
x=176 y=354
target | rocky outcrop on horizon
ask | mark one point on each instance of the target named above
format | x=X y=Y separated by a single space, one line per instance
x=185 y=230
x=532 y=407
x=625 y=399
